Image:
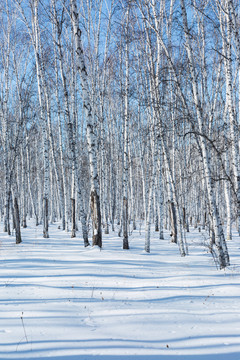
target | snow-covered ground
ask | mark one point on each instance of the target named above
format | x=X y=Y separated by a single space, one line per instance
x=59 y=300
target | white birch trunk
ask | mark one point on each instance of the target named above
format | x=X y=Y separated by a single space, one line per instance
x=42 y=117
x=29 y=182
x=5 y=137
x=23 y=202
x=228 y=200
x=161 y=197
x=153 y=154
x=63 y=190
x=91 y=137
x=126 y=138
x=234 y=133
x=133 y=191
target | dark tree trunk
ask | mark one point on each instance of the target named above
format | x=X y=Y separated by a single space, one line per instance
x=73 y=235
x=96 y=219
x=156 y=222
x=7 y=217
x=17 y=222
x=45 y=218
x=125 y=223
x=13 y=214
x=173 y=221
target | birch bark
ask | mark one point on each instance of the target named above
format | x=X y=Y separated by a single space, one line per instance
x=91 y=137
x=39 y=64
x=126 y=137
x=234 y=133
x=5 y=129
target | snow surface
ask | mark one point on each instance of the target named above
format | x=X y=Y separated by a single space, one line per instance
x=60 y=300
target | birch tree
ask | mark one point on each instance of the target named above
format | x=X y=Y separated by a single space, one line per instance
x=91 y=137
x=125 y=210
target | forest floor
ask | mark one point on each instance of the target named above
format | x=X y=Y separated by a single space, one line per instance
x=60 y=300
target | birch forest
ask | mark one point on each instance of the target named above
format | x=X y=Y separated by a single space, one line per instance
x=120 y=114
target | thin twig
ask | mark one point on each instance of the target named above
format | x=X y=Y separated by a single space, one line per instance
x=24 y=328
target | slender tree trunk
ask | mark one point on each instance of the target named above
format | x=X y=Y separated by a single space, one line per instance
x=23 y=202
x=152 y=161
x=91 y=137
x=125 y=221
x=40 y=80
x=45 y=218
x=228 y=200
x=234 y=132
x=17 y=222
x=161 y=196
x=73 y=218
